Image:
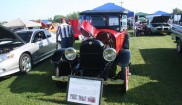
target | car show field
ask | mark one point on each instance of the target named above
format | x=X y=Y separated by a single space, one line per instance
x=155 y=80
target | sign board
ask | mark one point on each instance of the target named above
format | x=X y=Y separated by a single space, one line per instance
x=84 y=90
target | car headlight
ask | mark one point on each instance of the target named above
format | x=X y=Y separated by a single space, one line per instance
x=109 y=54
x=70 y=53
x=6 y=56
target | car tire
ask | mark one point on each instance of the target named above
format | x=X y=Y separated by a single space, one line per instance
x=112 y=71
x=124 y=77
x=59 y=84
x=168 y=33
x=149 y=32
x=179 y=46
x=25 y=63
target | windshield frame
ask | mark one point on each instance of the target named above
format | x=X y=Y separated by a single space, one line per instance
x=117 y=27
x=22 y=35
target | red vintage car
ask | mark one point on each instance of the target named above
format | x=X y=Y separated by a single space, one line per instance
x=105 y=46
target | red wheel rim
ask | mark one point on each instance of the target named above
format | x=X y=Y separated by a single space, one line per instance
x=127 y=72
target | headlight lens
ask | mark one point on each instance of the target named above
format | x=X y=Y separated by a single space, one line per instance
x=6 y=56
x=70 y=53
x=109 y=54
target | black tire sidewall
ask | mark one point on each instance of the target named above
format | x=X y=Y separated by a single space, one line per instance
x=179 y=44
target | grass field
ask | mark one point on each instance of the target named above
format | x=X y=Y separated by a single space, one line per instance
x=156 y=79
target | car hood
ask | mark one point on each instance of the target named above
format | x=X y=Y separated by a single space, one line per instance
x=160 y=19
x=87 y=29
x=5 y=34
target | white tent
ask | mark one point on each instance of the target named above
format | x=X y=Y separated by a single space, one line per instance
x=21 y=23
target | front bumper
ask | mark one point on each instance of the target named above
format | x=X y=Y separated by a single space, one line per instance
x=61 y=78
x=161 y=30
x=108 y=81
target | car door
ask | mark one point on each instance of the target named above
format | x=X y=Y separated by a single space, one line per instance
x=40 y=40
x=51 y=40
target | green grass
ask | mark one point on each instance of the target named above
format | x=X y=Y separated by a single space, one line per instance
x=156 y=79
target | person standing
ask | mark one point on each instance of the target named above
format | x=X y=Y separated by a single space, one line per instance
x=65 y=32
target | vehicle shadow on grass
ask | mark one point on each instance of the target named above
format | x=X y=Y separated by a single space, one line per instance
x=152 y=35
x=39 y=84
x=157 y=81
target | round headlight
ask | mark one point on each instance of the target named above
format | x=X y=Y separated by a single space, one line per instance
x=70 y=53
x=109 y=54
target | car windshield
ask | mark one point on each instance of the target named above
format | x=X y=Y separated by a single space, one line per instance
x=101 y=21
x=113 y=21
x=97 y=20
x=26 y=36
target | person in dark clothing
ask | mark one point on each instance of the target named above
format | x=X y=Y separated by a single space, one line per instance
x=65 y=32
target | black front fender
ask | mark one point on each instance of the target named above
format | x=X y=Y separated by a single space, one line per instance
x=58 y=56
x=124 y=57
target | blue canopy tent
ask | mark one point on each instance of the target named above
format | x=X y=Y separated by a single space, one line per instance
x=158 y=13
x=112 y=6
x=46 y=22
x=162 y=13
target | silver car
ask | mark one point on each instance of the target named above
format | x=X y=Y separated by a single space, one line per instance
x=20 y=50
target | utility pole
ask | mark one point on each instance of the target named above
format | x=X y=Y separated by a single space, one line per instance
x=121 y=3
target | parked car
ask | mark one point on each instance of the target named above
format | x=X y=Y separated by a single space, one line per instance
x=177 y=32
x=20 y=50
x=158 y=24
x=105 y=46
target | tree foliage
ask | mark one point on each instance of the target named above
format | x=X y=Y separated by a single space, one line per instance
x=177 y=11
x=74 y=15
x=57 y=18
x=1 y=23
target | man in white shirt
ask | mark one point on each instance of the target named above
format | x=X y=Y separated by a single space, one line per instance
x=66 y=34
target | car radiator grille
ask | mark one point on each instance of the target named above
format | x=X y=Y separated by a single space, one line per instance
x=91 y=56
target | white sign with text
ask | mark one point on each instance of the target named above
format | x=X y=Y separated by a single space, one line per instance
x=84 y=90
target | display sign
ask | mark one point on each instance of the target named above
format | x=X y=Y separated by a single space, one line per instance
x=84 y=90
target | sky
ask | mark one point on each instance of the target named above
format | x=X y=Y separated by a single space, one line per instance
x=44 y=9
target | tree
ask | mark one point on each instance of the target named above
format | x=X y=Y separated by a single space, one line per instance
x=1 y=23
x=74 y=15
x=57 y=18
x=177 y=11
x=50 y=19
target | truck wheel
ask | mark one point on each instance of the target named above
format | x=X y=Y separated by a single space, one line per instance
x=124 y=77
x=179 y=46
x=25 y=63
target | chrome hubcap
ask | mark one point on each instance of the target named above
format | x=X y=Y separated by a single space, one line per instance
x=26 y=64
